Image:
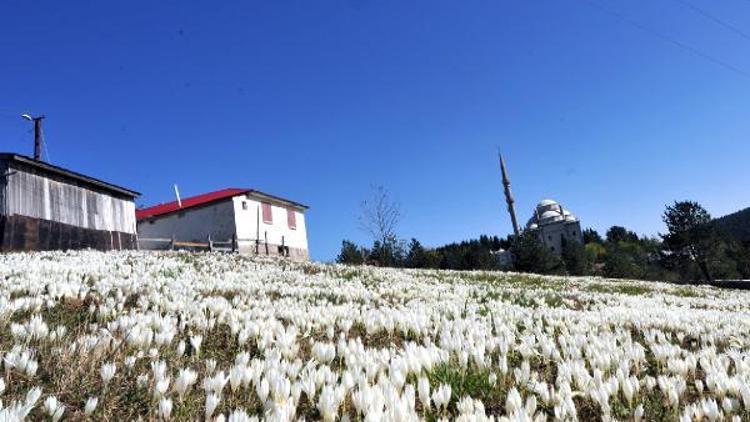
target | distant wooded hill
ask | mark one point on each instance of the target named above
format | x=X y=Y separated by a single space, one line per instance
x=736 y=225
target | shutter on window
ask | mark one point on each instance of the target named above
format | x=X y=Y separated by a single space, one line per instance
x=291 y=218
x=267 y=215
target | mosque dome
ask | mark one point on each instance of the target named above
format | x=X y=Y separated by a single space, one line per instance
x=545 y=203
x=548 y=215
x=549 y=211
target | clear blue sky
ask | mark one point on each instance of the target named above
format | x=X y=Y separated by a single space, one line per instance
x=595 y=106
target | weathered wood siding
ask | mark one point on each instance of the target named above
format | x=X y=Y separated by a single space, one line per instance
x=20 y=233
x=33 y=195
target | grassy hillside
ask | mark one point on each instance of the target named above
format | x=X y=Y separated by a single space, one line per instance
x=179 y=336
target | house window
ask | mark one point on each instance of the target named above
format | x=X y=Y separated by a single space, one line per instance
x=244 y=205
x=267 y=215
x=291 y=218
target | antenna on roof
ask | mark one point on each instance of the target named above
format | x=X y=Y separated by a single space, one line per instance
x=177 y=194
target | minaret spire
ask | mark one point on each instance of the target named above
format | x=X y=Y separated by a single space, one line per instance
x=509 y=196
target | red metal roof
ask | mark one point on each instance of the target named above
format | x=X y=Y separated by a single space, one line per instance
x=207 y=198
x=190 y=202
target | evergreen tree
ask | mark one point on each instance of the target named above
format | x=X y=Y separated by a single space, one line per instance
x=389 y=253
x=651 y=259
x=595 y=254
x=530 y=255
x=574 y=257
x=476 y=254
x=417 y=255
x=621 y=261
x=591 y=236
x=432 y=259
x=740 y=254
x=691 y=237
x=350 y=254
x=620 y=234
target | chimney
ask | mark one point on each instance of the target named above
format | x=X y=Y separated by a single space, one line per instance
x=177 y=194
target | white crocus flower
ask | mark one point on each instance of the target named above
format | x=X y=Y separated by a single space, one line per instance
x=107 y=372
x=130 y=362
x=185 y=380
x=239 y=415
x=423 y=387
x=442 y=396
x=328 y=404
x=165 y=408
x=212 y=400
x=262 y=389
x=513 y=401
x=365 y=341
x=180 y=350
x=54 y=408
x=160 y=387
x=210 y=366
x=33 y=395
x=196 y=341
x=90 y=406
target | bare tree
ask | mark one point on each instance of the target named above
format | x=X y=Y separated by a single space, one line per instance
x=380 y=216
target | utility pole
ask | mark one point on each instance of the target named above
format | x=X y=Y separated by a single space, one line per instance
x=509 y=196
x=37 y=134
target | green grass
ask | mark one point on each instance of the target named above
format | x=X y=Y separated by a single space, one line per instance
x=618 y=288
x=686 y=292
x=471 y=381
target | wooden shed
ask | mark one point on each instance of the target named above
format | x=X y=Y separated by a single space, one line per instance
x=46 y=207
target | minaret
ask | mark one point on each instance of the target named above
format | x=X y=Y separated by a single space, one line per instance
x=509 y=196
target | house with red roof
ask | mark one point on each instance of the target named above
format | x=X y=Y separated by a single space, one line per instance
x=255 y=222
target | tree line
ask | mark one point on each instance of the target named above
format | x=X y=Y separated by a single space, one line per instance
x=694 y=249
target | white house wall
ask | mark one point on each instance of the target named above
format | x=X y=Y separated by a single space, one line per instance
x=31 y=195
x=278 y=231
x=192 y=224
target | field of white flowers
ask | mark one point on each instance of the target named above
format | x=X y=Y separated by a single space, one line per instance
x=179 y=336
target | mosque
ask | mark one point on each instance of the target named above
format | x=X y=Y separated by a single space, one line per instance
x=551 y=222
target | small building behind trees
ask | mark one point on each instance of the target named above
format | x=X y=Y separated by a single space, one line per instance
x=46 y=207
